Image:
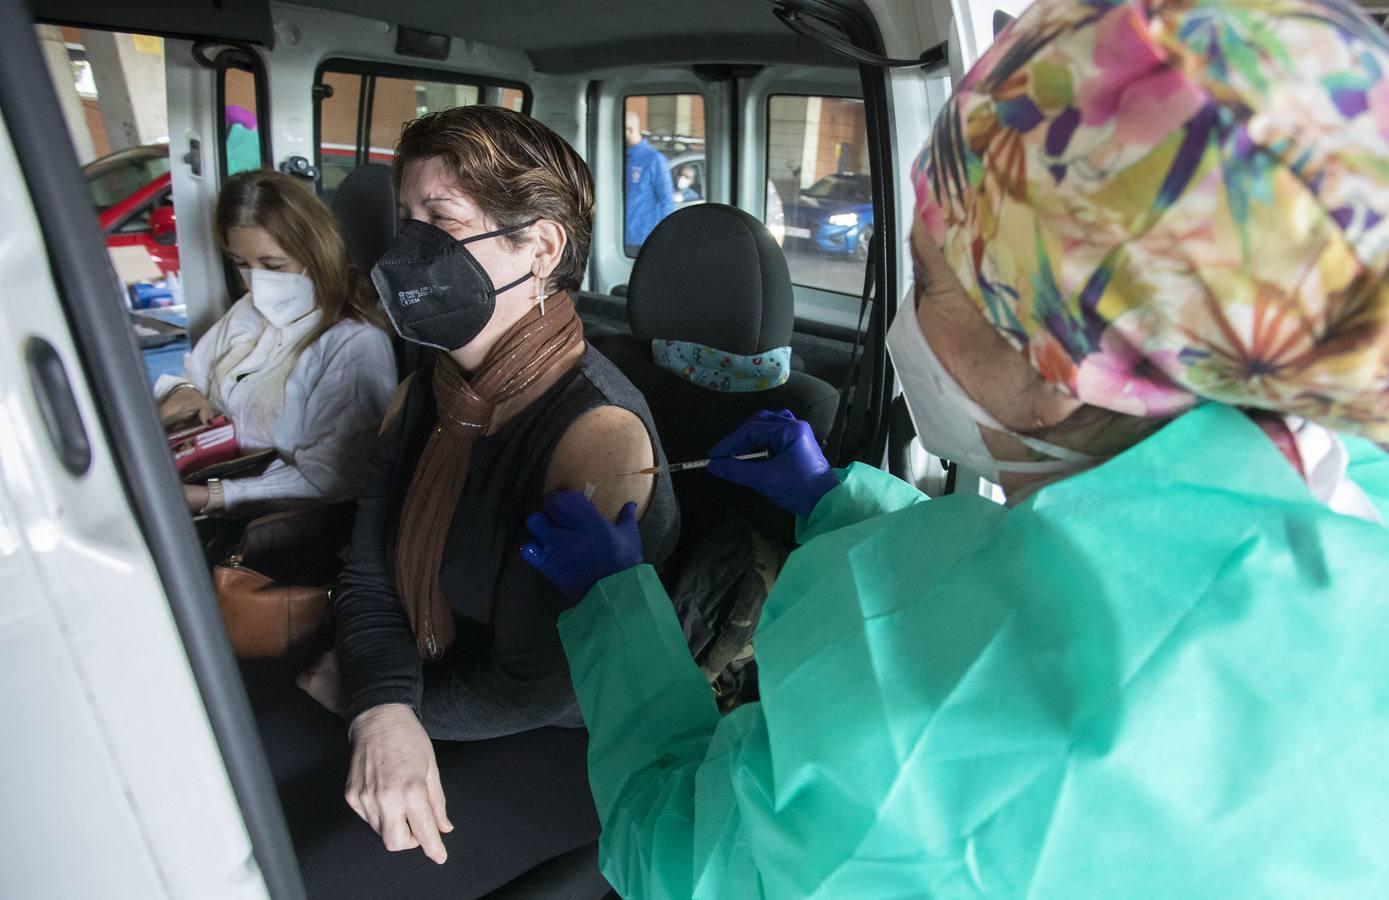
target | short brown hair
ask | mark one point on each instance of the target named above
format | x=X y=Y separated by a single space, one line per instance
x=304 y=228
x=515 y=169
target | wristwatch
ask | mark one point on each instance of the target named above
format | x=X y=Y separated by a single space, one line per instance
x=216 y=497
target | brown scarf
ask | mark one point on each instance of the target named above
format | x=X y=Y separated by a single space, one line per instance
x=466 y=410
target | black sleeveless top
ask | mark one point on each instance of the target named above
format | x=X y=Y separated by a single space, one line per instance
x=506 y=671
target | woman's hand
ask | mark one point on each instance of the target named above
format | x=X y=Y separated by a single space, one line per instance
x=323 y=683
x=183 y=403
x=393 y=783
x=795 y=476
x=196 y=496
x=575 y=547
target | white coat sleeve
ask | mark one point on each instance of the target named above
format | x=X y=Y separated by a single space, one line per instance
x=342 y=415
x=198 y=362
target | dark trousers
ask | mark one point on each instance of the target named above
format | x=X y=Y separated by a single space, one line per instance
x=515 y=802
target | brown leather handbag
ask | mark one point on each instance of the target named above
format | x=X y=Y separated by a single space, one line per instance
x=275 y=585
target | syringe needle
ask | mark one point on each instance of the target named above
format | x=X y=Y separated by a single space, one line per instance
x=694 y=464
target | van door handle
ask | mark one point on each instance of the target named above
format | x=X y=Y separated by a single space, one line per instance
x=58 y=406
x=194 y=157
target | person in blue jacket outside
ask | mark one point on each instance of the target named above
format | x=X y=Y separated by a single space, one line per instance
x=1151 y=300
x=650 y=195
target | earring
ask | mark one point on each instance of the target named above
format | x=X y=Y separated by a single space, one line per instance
x=540 y=296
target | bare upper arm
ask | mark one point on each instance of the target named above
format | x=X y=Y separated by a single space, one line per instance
x=600 y=448
x=397 y=403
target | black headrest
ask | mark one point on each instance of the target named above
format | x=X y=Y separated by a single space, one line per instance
x=712 y=274
x=365 y=208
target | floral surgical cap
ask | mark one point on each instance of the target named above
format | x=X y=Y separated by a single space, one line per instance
x=1159 y=202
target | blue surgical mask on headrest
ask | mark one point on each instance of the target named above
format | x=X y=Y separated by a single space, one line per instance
x=719 y=370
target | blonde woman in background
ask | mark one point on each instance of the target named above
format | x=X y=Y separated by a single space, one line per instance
x=300 y=363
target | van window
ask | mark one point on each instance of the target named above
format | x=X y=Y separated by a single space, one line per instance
x=362 y=108
x=819 y=193
x=664 y=165
x=241 y=121
x=338 y=108
x=111 y=89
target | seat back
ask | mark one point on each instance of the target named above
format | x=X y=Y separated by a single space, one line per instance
x=712 y=274
x=365 y=207
x=368 y=217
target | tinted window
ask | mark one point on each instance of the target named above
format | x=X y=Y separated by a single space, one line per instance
x=663 y=163
x=240 y=121
x=351 y=90
x=819 y=193
x=396 y=101
x=337 y=128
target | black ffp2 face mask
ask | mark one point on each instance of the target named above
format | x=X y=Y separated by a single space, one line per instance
x=434 y=290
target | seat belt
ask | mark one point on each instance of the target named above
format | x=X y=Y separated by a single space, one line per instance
x=846 y=433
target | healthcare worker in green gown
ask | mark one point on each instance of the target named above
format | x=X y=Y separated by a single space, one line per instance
x=1151 y=300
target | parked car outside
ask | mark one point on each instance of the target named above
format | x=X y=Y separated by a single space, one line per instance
x=691 y=164
x=132 y=194
x=835 y=214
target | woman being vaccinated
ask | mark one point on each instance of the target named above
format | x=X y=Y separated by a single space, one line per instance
x=1151 y=299
x=466 y=740
x=300 y=364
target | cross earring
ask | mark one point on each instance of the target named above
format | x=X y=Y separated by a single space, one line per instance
x=540 y=296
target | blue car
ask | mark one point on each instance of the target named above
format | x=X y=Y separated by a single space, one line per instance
x=836 y=213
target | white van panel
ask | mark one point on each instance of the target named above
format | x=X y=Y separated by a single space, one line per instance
x=111 y=781
x=305 y=37
x=191 y=90
x=974 y=21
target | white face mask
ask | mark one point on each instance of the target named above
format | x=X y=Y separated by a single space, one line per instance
x=281 y=297
x=947 y=420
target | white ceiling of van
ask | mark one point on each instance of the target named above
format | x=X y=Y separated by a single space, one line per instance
x=566 y=36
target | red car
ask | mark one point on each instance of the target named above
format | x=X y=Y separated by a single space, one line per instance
x=132 y=194
x=133 y=197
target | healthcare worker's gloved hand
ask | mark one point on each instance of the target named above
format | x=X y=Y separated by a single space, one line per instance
x=794 y=477
x=575 y=547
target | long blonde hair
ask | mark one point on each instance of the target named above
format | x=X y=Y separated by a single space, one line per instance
x=305 y=229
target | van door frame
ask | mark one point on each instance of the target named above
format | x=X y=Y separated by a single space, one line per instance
x=117 y=382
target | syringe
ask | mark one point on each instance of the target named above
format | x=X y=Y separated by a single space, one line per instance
x=694 y=464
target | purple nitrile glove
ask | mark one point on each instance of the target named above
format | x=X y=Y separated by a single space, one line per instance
x=575 y=547
x=794 y=477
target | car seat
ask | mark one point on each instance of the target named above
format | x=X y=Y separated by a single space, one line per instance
x=713 y=275
x=368 y=217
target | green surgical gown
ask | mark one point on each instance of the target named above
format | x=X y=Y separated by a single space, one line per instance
x=1165 y=677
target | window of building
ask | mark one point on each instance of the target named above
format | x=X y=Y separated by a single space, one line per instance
x=362 y=108
x=664 y=164
x=819 y=191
